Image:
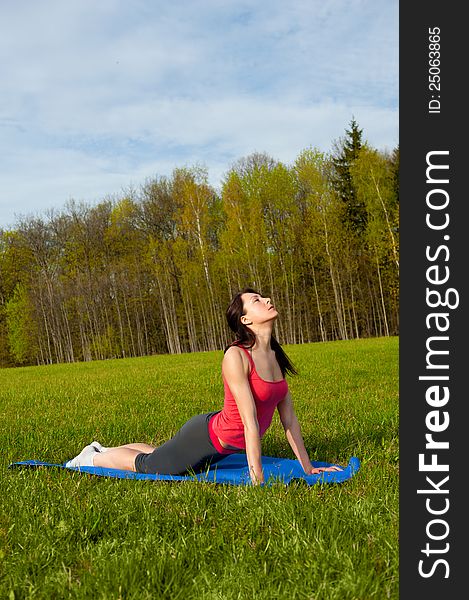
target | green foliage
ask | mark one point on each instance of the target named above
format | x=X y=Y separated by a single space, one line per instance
x=372 y=176
x=65 y=535
x=152 y=271
x=20 y=326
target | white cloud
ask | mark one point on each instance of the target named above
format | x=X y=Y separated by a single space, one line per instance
x=97 y=95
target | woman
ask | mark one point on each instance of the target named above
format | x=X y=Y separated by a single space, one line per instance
x=254 y=368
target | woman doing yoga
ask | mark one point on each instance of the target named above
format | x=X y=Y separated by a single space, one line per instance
x=254 y=368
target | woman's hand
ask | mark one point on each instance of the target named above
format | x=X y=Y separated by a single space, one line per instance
x=257 y=480
x=317 y=470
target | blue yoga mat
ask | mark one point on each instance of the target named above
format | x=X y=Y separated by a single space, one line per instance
x=232 y=469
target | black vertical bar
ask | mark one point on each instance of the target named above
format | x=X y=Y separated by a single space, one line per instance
x=434 y=260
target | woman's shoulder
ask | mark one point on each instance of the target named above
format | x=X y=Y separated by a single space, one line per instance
x=235 y=356
x=233 y=351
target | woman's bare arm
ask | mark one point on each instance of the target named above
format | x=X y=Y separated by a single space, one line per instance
x=235 y=373
x=292 y=429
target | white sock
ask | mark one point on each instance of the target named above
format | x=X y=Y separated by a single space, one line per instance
x=84 y=459
x=99 y=447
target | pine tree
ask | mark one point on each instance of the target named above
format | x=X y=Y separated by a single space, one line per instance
x=346 y=152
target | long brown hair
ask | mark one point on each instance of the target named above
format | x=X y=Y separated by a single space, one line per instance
x=246 y=338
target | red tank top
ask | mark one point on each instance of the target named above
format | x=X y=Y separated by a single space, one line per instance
x=227 y=424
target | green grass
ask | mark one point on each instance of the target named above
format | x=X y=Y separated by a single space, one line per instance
x=66 y=535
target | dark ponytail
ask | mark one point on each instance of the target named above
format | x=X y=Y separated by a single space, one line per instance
x=246 y=338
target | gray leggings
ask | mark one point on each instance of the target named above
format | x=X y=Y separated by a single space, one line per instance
x=189 y=450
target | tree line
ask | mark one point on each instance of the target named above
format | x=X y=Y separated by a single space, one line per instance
x=153 y=269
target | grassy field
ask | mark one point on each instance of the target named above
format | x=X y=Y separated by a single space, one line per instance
x=66 y=535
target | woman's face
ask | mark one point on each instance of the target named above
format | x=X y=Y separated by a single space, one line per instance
x=257 y=309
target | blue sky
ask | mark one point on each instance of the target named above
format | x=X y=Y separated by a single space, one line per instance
x=100 y=96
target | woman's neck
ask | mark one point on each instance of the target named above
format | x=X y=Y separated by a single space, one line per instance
x=263 y=337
